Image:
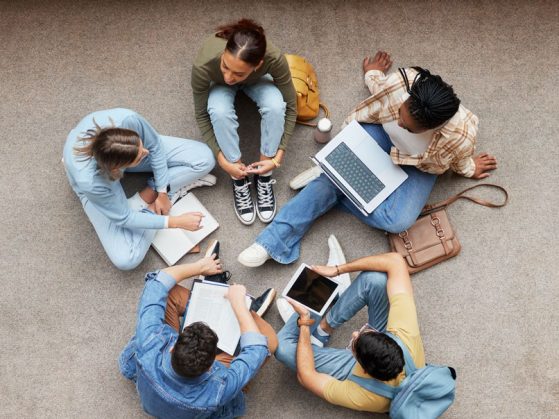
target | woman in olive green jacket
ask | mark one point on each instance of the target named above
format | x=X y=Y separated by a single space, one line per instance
x=238 y=57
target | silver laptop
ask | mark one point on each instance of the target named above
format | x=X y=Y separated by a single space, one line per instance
x=362 y=170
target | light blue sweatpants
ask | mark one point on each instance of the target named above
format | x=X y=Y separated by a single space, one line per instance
x=187 y=161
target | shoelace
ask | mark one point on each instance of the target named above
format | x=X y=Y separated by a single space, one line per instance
x=179 y=194
x=265 y=193
x=242 y=196
x=223 y=277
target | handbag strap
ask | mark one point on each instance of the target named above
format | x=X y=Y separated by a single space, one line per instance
x=427 y=209
x=314 y=124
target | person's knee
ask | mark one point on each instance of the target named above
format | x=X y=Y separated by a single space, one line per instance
x=273 y=344
x=206 y=159
x=125 y=263
x=219 y=111
x=395 y=221
x=372 y=280
x=274 y=110
x=399 y=225
x=285 y=352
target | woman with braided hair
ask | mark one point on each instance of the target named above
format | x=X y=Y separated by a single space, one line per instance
x=415 y=117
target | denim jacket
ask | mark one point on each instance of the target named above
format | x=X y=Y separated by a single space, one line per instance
x=163 y=393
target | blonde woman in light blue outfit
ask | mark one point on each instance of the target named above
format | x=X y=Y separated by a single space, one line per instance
x=105 y=145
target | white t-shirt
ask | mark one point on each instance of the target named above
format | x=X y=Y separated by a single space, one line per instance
x=405 y=141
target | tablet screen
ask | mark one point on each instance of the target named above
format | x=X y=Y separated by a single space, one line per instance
x=312 y=289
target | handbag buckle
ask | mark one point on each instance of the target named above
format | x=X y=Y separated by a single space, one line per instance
x=436 y=222
x=407 y=242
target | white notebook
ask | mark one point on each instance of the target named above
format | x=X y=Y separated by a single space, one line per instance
x=173 y=243
x=208 y=304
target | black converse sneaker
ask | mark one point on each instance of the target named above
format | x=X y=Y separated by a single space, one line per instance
x=222 y=277
x=261 y=304
x=265 y=199
x=244 y=205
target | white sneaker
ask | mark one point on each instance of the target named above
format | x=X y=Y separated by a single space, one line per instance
x=208 y=180
x=253 y=256
x=286 y=310
x=337 y=257
x=304 y=178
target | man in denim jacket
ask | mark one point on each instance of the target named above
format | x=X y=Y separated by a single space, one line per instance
x=176 y=374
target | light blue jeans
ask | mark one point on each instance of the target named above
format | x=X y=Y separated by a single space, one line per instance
x=399 y=211
x=187 y=161
x=221 y=108
x=368 y=289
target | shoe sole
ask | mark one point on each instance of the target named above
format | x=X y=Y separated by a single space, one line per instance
x=334 y=243
x=209 y=179
x=287 y=317
x=303 y=179
x=210 y=249
x=247 y=223
x=266 y=220
x=250 y=264
x=267 y=303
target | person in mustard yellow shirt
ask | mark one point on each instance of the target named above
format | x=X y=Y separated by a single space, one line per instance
x=384 y=287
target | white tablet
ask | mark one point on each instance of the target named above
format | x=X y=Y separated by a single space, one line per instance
x=311 y=290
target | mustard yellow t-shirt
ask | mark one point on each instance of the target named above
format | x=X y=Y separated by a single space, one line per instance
x=402 y=321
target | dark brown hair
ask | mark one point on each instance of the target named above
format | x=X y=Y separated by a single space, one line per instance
x=195 y=350
x=112 y=148
x=245 y=40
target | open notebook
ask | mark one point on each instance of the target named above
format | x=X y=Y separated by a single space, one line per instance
x=173 y=243
x=208 y=304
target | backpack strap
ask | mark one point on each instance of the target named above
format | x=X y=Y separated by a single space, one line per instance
x=379 y=387
x=374 y=386
x=408 y=360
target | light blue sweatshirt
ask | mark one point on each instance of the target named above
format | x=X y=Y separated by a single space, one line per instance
x=107 y=195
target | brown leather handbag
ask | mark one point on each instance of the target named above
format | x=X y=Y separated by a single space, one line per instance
x=432 y=239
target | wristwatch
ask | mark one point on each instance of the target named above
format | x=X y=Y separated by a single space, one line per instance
x=304 y=322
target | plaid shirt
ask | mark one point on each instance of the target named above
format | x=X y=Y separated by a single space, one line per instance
x=452 y=145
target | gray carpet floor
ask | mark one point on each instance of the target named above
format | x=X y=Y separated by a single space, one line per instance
x=66 y=312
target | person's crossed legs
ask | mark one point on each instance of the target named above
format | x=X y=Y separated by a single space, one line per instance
x=281 y=239
x=368 y=289
x=176 y=306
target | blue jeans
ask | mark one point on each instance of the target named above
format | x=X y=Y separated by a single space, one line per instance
x=187 y=161
x=221 y=108
x=368 y=289
x=399 y=211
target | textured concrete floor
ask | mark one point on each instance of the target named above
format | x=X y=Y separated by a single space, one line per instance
x=65 y=312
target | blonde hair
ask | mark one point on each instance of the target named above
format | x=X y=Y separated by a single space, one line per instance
x=112 y=148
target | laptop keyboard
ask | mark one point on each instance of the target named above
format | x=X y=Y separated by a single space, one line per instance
x=355 y=172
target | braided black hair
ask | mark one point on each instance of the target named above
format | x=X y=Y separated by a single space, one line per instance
x=432 y=101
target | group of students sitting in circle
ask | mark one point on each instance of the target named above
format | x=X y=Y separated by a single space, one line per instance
x=413 y=115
